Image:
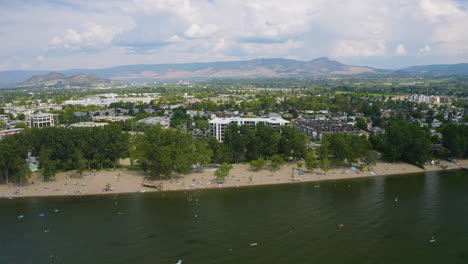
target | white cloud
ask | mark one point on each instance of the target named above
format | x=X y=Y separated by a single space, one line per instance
x=400 y=50
x=175 y=38
x=145 y=31
x=425 y=50
x=94 y=36
x=201 y=31
x=439 y=9
x=355 y=48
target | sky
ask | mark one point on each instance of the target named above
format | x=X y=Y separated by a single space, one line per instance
x=72 y=34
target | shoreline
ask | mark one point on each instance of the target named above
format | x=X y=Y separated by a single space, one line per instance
x=124 y=181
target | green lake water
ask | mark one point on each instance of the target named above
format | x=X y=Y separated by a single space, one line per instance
x=294 y=223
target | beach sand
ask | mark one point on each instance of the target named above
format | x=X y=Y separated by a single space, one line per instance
x=125 y=181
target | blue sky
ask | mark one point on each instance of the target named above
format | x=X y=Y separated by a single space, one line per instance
x=66 y=34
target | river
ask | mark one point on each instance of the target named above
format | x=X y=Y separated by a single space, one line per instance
x=293 y=223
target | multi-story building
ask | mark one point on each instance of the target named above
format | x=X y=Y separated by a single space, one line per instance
x=10 y=132
x=88 y=124
x=218 y=125
x=41 y=120
x=317 y=128
x=164 y=121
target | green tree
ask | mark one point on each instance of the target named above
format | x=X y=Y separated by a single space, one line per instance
x=361 y=123
x=203 y=152
x=49 y=166
x=311 y=161
x=325 y=165
x=21 y=116
x=407 y=142
x=223 y=172
x=293 y=144
x=162 y=151
x=276 y=161
x=258 y=164
x=455 y=139
x=13 y=160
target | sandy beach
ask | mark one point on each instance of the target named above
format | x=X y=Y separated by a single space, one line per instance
x=125 y=181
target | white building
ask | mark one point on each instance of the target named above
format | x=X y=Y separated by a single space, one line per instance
x=218 y=125
x=9 y=132
x=164 y=121
x=87 y=124
x=41 y=120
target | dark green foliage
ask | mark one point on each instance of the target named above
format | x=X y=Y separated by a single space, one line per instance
x=406 y=141
x=260 y=141
x=276 y=161
x=361 y=123
x=13 y=155
x=455 y=139
x=71 y=148
x=49 y=166
x=163 y=151
x=344 y=148
x=292 y=143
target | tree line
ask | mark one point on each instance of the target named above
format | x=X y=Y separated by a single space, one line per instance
x=161 y=152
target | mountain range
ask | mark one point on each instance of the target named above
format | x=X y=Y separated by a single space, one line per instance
x=60 y=80
x=257 y=68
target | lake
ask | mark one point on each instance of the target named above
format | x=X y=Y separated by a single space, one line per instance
x=292 y=223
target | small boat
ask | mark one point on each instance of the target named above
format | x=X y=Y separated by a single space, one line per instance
x=340 y=225
x=432 y=240
x=253 y=244
x=396 y=199
x=179 y=262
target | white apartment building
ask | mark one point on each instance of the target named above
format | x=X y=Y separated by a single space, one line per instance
x=87 y=124
x=164 y=121
x=218 y=125
x=41 y=120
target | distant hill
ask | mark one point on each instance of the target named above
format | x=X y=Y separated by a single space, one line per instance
x=257 y=68
x=232 y=69
x=439 y=69
x=60 y=80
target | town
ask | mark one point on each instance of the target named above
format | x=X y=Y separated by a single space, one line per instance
x=206 y=110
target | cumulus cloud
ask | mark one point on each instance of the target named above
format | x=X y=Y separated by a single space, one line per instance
x=400 y=50
x=355 y=48
x=425 y=50
x=194 y=30
x=201 y=31
x=93 y=37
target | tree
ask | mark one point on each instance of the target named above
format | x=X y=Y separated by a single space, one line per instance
x=344 y=148
x=222 y=172
x=21 y=116
x=407 y=142
x=13 y=160
x=361 y=123
x=276 y=161
x=293 y=144
x=163 y=151
x=455 y=139
x=49 y=166
x=203 y=152
x=325 y=165
x=311 y=161
x=258 y=164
